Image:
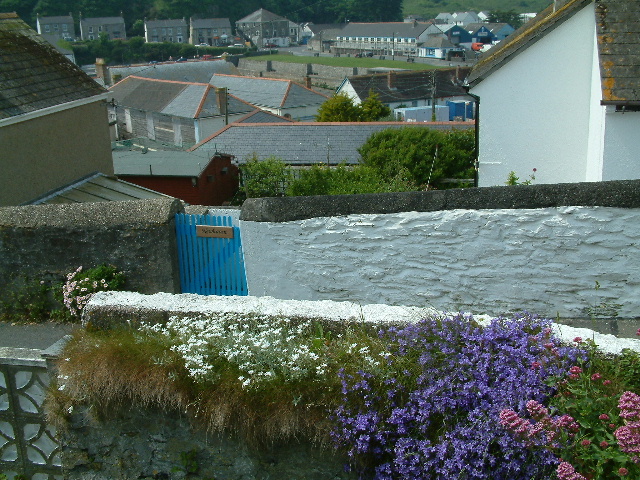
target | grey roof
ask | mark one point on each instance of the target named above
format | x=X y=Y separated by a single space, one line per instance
x=178 y=99
x=196 y=72
x=160 y=163
x=33 y=74
x=492 y=27
x=97 y=187
x=260 y=16
x=384 y=29
x=303 y=143
x=618 y=37
x=60 y=19
x=102 y=21
x=177 y=22
x=268 y=92
x=262 y=116
x=328 y=31
x=210 y=23
x=438 y=42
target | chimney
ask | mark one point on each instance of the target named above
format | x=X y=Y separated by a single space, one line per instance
x=307 y=81
x=391 y=80
x=101 y=69
x=221 y=97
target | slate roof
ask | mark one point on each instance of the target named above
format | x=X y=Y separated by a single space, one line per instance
x=102 y=21
x=438 y=42
x=262 y=116
x=411 y=85
x=618 y=38
x=268 y=92
x=179 y=99
x=160 y=163
x=384 y=29
x=33 y=74
x=261 y=16
x=196 y=72
x=492 y=27
x=303 y=143
x=50 y=20
x=97 y=187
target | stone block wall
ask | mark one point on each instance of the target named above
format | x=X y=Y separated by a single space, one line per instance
x=48 y=241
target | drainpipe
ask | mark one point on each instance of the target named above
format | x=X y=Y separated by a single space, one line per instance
x=476 y=98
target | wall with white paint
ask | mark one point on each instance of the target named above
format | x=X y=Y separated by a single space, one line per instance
x=494 y=261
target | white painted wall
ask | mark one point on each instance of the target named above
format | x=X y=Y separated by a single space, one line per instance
x=622 y=145
x=484 y=261
x=535 y=110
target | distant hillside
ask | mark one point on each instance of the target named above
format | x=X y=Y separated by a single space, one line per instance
x=431 y=8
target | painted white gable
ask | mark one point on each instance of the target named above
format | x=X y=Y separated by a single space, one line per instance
x=542 y=110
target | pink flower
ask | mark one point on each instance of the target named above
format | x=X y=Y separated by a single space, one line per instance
x=574 y=377
x=604 y=444
x=575 y=370
x=596 y=376
x=606 y=382
x=586 y=442
x=638 y=332
x=623 y=472
x=604 y=416
x=566 y=471
x=578 y=339
x=535 y=365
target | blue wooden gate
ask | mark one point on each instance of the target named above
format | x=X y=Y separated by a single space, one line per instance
x=209 y=264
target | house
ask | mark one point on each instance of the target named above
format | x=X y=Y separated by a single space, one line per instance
x=415 y=88
x=97 y=187
x=282 y=97
x=303 y=144
x=265 y=29
x=457 y=34
x=113 y=27
x=59 y=28
x=489 y=33
x=389 y=38
x=172 y=31
x=562 y=95
x=180 y=113
x=440 y=48
x=212 y=31
x=457 y=18
x=53 y=118
x=197 y=178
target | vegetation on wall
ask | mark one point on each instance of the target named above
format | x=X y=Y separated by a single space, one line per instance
x=342 y=108
x=446 y=395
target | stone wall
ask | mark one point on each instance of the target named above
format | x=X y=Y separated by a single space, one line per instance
x=47 y=241
x=493 y=250
x=155 y=444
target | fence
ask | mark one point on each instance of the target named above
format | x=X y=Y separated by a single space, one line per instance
x=28 y=446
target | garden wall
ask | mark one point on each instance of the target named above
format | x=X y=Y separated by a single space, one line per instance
x=540 y=248
x=44 y=242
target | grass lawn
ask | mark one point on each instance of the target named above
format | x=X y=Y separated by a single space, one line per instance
x=345 y=61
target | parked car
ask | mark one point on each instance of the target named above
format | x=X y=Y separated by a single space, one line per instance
x=271 y=45
x=202 y=45
x=181 y=59
x=238 y=45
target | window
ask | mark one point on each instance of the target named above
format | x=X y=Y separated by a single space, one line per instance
x=47 y=28
x=91 y=31
x=55 y=27
x=100 y=28
x=170 y=31
x=65 y=27
x=179 y=30
x=215 y=30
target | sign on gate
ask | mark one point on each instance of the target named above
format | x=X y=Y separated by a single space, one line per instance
x=210 y=255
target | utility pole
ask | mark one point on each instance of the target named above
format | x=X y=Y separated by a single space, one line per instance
x=433 y=95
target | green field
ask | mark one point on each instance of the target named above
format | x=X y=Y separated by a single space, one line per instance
x=344 y=61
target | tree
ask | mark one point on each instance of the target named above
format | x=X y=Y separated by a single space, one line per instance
x=426 y=156
x=372 y=109
x=264 y=178
x=511 y=17
x=340 y=108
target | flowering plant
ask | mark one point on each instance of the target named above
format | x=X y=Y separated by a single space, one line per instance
x=594 y=429
x=82 y=285
x=434 y=409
